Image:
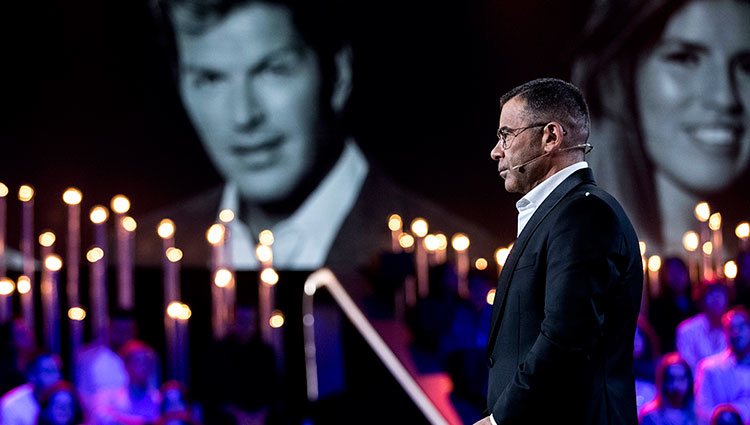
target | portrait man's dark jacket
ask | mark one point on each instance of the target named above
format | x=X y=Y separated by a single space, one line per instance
x=567 y=301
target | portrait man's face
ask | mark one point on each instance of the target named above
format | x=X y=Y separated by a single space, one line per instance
x=252 y=88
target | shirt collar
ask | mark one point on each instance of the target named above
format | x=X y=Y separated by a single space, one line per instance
x=538 y=194
x=527 y=205
x=303 y=240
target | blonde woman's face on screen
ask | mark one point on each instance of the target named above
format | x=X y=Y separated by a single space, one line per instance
x=693 y=95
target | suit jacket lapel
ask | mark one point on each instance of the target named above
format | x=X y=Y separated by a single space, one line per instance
x=579 y=177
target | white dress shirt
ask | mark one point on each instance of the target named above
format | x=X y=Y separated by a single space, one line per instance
x=302 y=241
x=527 y=205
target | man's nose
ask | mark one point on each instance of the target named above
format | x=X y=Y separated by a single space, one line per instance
x=245 y=105
x=497 y=152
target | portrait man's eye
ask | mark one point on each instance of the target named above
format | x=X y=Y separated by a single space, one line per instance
x=205 y=79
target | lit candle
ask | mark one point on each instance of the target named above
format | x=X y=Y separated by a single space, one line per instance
x=6 y=290
x=98 y=292
x=708 y=272
x=460 y=243
x=267 y=281
x=396 y=225
x=419 y=228
x=172 y=257
x=730 y=271
x=431 y=245
x=742 y=231
x=76 y=316
x=26 y=196
x=120 y=205
x=178 y=314
x=654 y=265
x=50 y=302
x=3 y=224
x=72 y=198
x=691 y=242
x=703 y=214
x=215 y=235
x=170 y=268
x=441 y=253
x=717 y=256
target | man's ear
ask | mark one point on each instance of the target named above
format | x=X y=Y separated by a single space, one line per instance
x=342 y=87
x=553 y=136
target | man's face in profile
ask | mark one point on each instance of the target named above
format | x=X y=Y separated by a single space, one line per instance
x=252 y=88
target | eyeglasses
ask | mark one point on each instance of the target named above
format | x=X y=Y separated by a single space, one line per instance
x=503 y=133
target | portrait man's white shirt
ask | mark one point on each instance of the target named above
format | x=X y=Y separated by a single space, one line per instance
x=302 y=241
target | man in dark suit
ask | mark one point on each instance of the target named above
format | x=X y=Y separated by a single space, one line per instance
x=561 y=339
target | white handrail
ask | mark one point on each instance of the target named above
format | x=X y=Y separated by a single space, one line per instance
x=325 y=278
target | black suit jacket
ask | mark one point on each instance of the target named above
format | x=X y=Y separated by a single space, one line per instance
x=561 y=339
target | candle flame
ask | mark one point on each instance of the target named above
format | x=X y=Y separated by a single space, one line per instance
x=120 y=204
x=266 y=237
x=491 y=297
x=742 y=230
x=215 y=234
x=642 y=247
x=25 y=193
x=431 y=243
x=714 y=221
x=690 y=241
x=460 y=242
x=72 y=196
x=708 y=248
x=730 y=269
x=76 y=313
x=23 y=285
x=702 y=212
x=395 y=223
x=179 y=311
x=129 y=224
x=226 y=215
x=277 y=319
x=53 y=262
x=419 y=227
x=442 y=241
x=264 y=253
x=94 y=254
x=269 y=276
x=6 y=286
x=166 y=229
x=481 y=264
x=3 y=190
x=47 y=239
x=501 y=256
x=406 y=240
x=654 y=263
x=174 y=254
x=223 y=278
x=99 y=214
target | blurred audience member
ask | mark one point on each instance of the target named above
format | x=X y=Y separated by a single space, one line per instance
x=725 y=377
x=175 y=406
x=702 y=335
x=673 y=404
x=20 y=406
x=674 y=304
x=139 y=402
x=645 y=355
x=99 y=367
x=60 y=405
x=726 y=414
x=243 y=382
x=17 y=347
